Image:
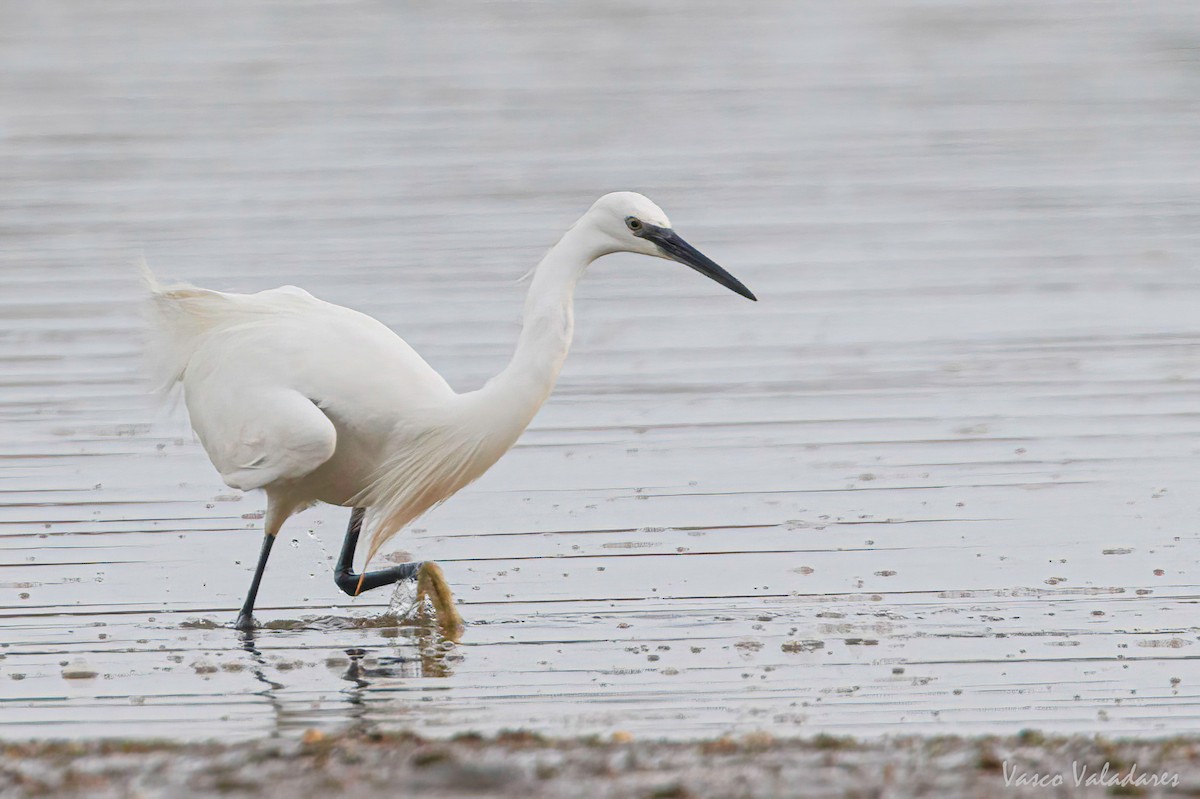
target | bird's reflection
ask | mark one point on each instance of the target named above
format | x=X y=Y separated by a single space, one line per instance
x=428 y=654
x=413 y=651
x=432 y=659
x=260 y=664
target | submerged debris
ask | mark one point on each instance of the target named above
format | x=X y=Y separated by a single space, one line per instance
x=78 y=669
x=802 y=646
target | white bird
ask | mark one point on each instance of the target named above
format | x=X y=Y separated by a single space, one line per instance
x=312 y=401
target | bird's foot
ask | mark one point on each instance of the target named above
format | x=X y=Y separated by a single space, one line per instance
x=433 y=589
x=245 y=623
x=433 y=592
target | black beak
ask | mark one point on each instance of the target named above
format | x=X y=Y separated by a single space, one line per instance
x=677 y=249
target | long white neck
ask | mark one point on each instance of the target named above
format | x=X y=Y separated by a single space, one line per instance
x=465 y=437
x=514 y=396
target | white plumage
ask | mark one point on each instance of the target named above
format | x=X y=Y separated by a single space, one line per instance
x=312 y=402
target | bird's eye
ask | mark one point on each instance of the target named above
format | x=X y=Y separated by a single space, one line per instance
x=634 y=223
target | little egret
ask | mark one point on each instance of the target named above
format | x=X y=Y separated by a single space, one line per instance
x=313 y=402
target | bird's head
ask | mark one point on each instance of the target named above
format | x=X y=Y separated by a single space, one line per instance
x=629 y=222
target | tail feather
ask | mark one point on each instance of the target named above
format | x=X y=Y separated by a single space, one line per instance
x=177 y=317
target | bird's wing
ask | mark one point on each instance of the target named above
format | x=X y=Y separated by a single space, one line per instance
x=270 y=378
x=260 y=436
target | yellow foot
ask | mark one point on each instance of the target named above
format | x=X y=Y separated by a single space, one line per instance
x=432 y=586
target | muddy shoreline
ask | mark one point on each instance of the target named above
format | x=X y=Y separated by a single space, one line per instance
x=528 y=765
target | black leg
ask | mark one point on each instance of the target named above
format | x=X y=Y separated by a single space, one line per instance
x=354 y=584
x=245 y=620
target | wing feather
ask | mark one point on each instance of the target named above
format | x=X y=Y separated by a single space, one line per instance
x=261 y=436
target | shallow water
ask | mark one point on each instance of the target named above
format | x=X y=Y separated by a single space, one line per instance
x=942 y=478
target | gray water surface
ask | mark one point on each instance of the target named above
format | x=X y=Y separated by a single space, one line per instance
x=941 y=479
